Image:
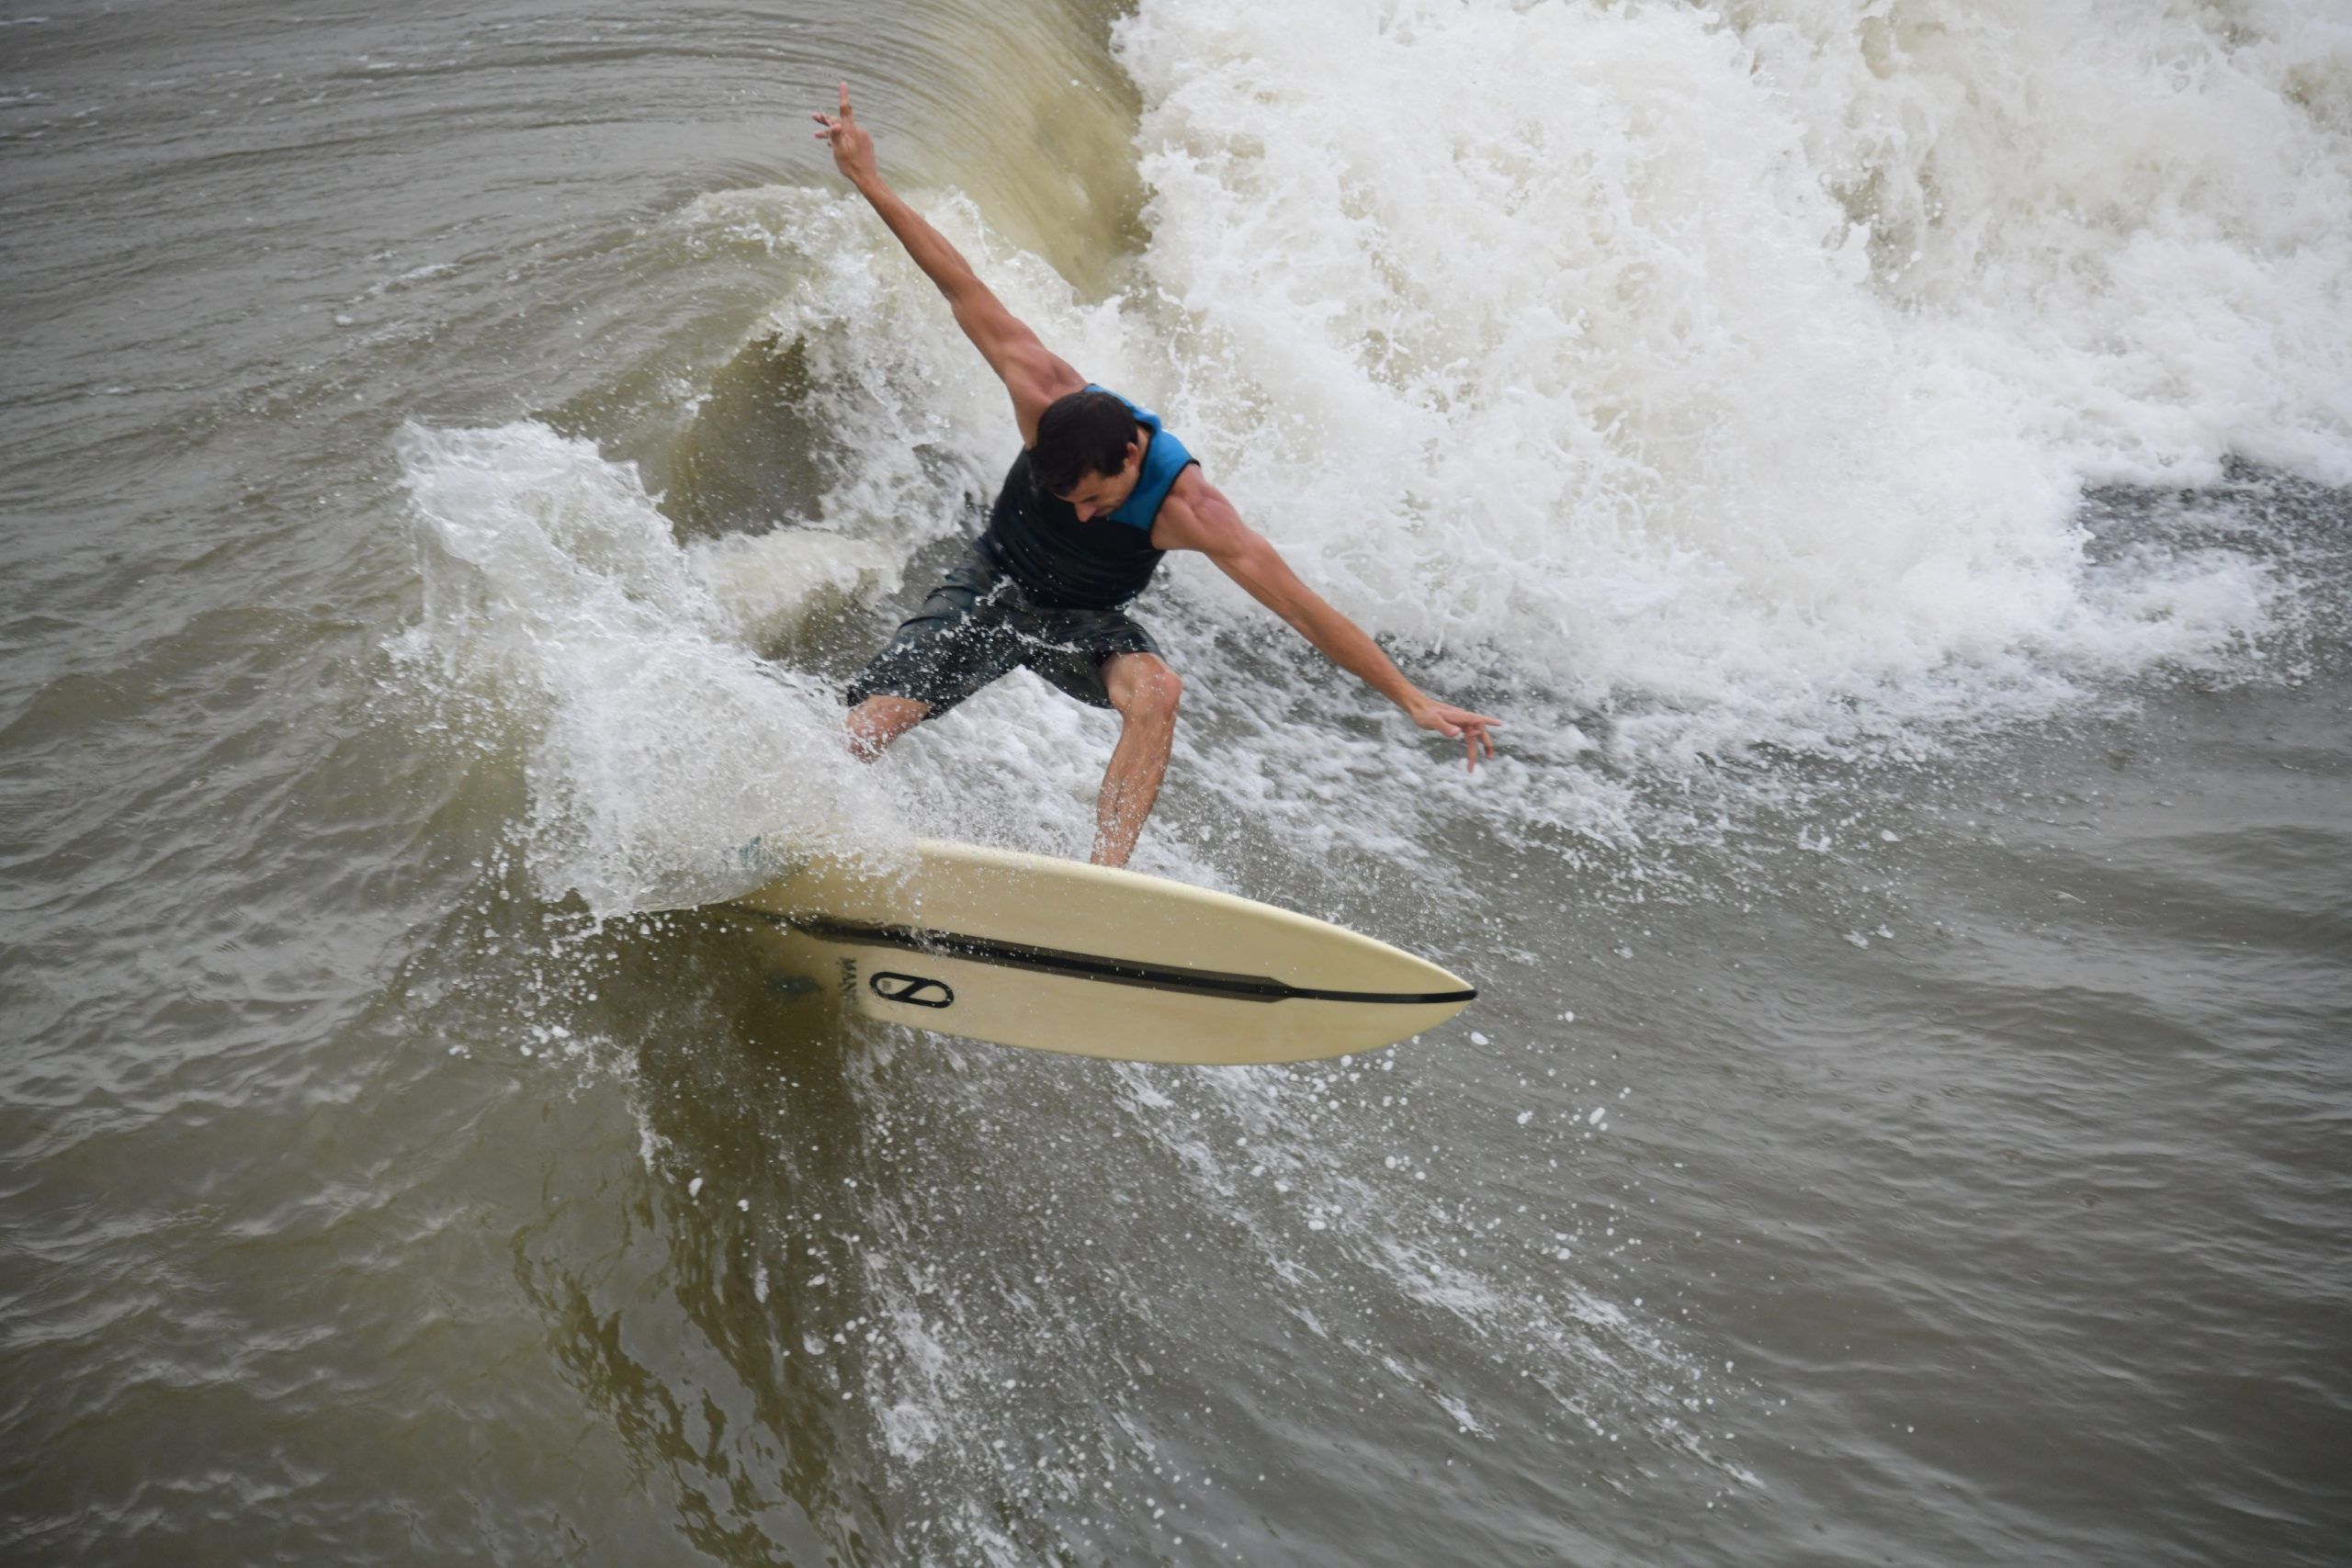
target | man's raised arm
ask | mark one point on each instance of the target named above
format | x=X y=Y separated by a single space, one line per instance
x=1029 y=371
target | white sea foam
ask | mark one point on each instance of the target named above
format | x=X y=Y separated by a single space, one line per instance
x=1597 y=334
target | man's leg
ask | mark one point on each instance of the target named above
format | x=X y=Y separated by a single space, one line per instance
x=947 y=649
x=878 y=720
x=1146 y=693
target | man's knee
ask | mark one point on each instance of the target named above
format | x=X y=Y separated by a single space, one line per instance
x=1148 y=692
x=878 y=720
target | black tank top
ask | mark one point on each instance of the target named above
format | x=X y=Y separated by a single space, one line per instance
x=1062 y=562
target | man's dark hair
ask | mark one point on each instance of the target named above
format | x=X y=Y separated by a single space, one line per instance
x=1080 y=433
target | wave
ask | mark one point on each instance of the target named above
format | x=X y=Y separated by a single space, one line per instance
x=1685 y=384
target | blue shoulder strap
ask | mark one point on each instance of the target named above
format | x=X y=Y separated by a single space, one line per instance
x=1164 y=459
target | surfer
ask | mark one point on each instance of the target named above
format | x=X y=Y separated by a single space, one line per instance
x=1099 y=492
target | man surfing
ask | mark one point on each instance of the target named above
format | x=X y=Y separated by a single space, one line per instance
x=1099 y=492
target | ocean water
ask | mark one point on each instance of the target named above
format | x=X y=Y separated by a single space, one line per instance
x=1889 y=464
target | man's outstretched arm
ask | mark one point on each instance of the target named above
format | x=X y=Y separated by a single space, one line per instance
x=1029 y=371
x=1196 y=517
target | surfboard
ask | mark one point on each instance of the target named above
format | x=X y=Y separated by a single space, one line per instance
x=1050 y=954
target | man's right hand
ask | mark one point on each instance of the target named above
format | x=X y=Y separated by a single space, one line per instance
x=852 y=148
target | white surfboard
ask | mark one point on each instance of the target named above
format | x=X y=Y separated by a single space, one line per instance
x=1055 y=956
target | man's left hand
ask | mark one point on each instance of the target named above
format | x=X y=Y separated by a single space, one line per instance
x=852 y=148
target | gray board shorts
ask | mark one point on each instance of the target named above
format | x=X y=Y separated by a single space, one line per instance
x=980 y=624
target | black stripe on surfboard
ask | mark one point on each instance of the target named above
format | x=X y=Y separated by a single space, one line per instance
x=1090 y=967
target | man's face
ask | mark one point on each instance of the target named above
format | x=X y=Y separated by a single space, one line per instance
x=1098 y=493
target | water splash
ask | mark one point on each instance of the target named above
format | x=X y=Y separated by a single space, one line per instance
x=625 y=667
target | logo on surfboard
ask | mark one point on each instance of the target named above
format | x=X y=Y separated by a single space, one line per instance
x=916 y=990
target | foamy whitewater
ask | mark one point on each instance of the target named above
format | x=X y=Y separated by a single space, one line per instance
x=555 y=591
x=1676 y=381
